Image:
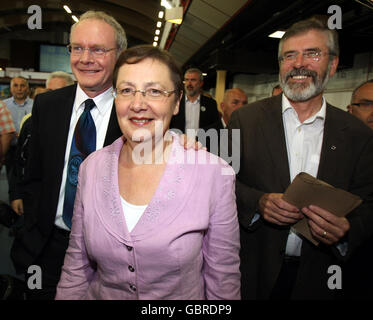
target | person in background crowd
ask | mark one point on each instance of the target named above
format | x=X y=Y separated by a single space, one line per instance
x=19 y=104
x=56 y=80
x=7 y=131
x=197 y=111
x=357 y=276
x=233 y=99
x=361 y=104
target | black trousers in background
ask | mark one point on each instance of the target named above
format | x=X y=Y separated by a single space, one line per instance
x=50 y=261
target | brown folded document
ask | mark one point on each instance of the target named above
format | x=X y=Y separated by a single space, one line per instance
x=306 y=190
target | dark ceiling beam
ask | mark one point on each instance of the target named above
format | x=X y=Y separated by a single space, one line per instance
x=136 y=24
x=18 y=21
x=145 y=7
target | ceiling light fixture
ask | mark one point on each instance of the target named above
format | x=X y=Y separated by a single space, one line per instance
x=67 y=9
x=277 y=34
x=175 y=15
x=157 y=32
x=75 y=18
x=166 y=4
x=159 y=24
x=160 y=14
x=155 y=44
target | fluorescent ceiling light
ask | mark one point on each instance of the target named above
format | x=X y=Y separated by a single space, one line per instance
x=155 y=44
x=75 y=18
x=157 y=32
x=277 y=34
x=174 y=15
x=156 y=38
x=159 y=24
x=160 y=14
x=67 y=9
x=166 y=4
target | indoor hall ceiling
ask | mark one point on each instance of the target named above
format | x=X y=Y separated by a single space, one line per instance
x=138 y=17
x=203 y=19
x=242 y=44
x=216 y=34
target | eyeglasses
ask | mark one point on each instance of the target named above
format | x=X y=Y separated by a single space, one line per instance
x=95 y=51
x=310 y=55
x=150 y=94
x=364 y=105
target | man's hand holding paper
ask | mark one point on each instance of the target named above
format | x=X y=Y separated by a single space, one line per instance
x=276 y=210
x=324 y=206
x=326 y=226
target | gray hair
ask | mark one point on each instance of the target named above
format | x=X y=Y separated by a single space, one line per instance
x=304 y=26
x=120 y=34
x=195 y=70
x=60 y=74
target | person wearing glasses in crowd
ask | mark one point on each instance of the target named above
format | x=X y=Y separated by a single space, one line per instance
x=153 y=223
x=361 y=104
x=358 y=275
x=282 y=136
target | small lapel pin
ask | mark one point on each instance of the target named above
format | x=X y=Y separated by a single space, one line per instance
x=333 y=147
x=203 y=109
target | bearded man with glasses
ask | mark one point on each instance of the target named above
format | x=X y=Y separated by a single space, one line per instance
x=298 y=131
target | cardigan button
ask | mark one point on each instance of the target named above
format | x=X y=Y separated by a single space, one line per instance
x=130 y=268
x=132 y=287
x=129 y=248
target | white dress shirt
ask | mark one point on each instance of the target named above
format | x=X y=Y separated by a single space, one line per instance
x=192 y=113
x=101 y=116
x=303 y=144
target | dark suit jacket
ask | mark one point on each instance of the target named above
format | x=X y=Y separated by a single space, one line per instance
x=207 y=116
x=345 y=162
x=50 y=127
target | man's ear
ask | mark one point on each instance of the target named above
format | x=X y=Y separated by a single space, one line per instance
x=349 y=109
x=334 y=66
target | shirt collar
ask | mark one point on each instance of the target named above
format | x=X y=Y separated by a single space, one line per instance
x=223 y=122
x=27 y=101
x=99 y=100
x=320 y=114
x=196 y=101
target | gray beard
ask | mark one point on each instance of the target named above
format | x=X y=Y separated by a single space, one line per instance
x=191 y=93
x=295 y=92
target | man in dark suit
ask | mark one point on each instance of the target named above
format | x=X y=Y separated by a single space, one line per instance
x=95 y=43
x=280 y=137
x=197 y=110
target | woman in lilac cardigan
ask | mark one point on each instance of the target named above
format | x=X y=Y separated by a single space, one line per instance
x=151 y=219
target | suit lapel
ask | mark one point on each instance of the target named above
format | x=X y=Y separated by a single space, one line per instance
x=333 y=146
x=63 y=114
x=113 y=131
x=274 y=139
